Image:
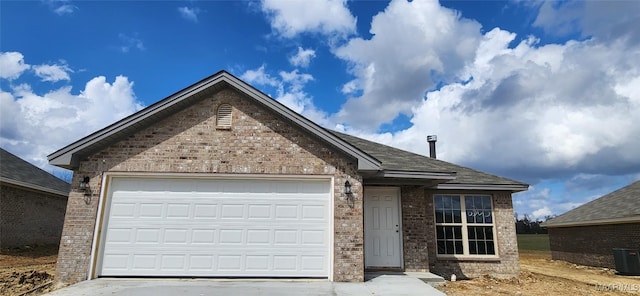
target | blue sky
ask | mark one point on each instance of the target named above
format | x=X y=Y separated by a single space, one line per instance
x=543 y=92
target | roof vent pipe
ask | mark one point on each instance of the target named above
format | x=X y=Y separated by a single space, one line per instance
x=432 y=145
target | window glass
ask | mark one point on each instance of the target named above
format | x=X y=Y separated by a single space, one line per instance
x=450 y=223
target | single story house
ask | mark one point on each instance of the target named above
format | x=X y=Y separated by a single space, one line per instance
x=220 y=180
x=32 y=204
x=587 y=234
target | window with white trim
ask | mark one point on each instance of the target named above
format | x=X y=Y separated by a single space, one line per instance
x=464 y=225
x=223 y=119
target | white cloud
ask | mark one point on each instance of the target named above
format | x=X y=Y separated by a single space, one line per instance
x=328 y=17
x=12 y=65
x=36 y=125
x=414 y=46
x=53 y=73
x=130 y=42
x=189 y=13
x=289 y=90
x=553 y=102
x=541 y=213
x=523 y=110
x=602 y=20
x=65 y=9
x=62 y=7
x=259 y=77
x=302 y=57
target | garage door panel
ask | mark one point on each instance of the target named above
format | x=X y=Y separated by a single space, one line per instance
x=266 y=228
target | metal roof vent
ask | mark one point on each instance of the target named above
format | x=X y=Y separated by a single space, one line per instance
x=223 y=119
x=432 y=139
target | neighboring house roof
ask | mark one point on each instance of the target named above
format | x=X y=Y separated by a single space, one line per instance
x=398 y=161
x=375 y=161
x=17 y=172
x=620 y=206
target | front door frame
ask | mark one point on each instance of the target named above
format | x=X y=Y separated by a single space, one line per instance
x=400 y=228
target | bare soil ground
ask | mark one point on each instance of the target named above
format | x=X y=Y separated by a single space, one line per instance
x=30 y=271
x=540 y=275
x=27 y=271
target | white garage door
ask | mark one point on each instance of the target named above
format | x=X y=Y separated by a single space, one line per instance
x=216 y=227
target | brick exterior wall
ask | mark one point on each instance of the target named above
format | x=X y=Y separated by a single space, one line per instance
x=415 y=233
x=592 y=245
x=506 y=266
x=259 y=142
x=30 y=217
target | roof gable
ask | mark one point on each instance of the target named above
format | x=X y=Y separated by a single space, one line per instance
x=18 y=172
x=69 y=156
x=620 y=206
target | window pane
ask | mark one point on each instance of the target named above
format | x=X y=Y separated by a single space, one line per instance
x=490 y=249
x=471 y=232
x=449 y=247
x=437 y=202
x=481 y=240
x=478 y=209
x=449 y=239
x=486 y=201
x=457 y=232
x=447 y=202
x=455 y=203
x=481 y=248
x=457 y=216
x=448 y=217
x=459 y=247
x=487 y=217
x=439 y=216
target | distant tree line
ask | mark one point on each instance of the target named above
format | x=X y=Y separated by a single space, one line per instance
x=526 y=225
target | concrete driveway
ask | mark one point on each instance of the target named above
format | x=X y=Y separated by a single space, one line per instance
x=379 y=285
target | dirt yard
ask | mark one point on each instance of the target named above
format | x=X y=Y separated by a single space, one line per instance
x=542 y=276
x=27 y=271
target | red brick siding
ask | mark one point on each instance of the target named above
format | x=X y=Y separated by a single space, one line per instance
x=30 y=217
x=592 y=245
x=259 y=142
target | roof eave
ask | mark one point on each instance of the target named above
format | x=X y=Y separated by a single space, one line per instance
x=486 y=187
x=624 y=220
x=33 y=186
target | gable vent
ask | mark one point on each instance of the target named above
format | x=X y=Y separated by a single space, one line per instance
x=224 y=116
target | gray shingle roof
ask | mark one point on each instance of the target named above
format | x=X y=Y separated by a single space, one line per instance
x=16 y=171
x=620 y=205
x=397 y=159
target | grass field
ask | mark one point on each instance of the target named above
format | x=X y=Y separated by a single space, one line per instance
x=533 y=242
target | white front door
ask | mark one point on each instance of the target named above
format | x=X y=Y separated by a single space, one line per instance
x=382 y=227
